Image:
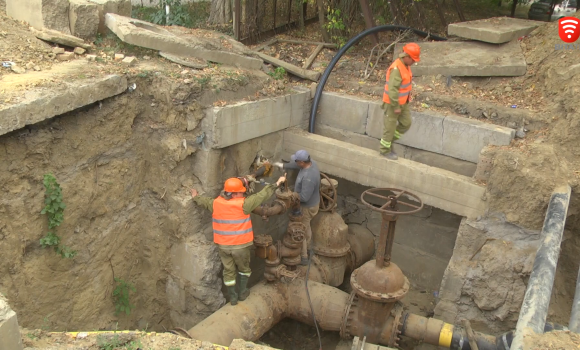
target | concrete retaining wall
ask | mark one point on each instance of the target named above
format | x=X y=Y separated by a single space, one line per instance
x=244 y=121
x=439 y=188
x=452 y=136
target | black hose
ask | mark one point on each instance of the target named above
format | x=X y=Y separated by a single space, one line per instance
x=347 y=46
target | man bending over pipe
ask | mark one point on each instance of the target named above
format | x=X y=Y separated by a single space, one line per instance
x=308 y=187
x=396 y=98
x=232 y=230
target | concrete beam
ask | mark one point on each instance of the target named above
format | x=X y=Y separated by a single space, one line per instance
x=38 y=107
x=455 y=165
x=495 y=30
x=451 y=136
x=148 y=35
x=436 y=187
x=243 y=121
x=469 y=58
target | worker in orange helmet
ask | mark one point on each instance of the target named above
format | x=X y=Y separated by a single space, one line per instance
x=396 y=98
x=232 y=230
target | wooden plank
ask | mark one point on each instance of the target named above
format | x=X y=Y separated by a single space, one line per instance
x=300 y=72
x=267 y=43
x=470 y=335
x=330 y=45
x=312 y=56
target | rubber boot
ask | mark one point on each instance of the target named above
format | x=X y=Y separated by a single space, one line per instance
x=244 y=291
x=233 y=295
x=390 y=155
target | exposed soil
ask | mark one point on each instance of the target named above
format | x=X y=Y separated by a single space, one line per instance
x=556 y=340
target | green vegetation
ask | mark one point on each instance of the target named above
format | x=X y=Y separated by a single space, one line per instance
x=54 y=209
x=279 y=73
x=121 y=296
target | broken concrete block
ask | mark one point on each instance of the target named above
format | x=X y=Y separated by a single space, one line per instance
x=57 y=37
x=120 y=7
x=119 y=56
x=469 y=58
x=57 y=50
x=67 y=56
x=495 y=30
x=191 y=62
x=9 y=331
x=51 y=14
x=84 y=19
x=129 y=61
x=79 y=51
x=17 y=69
x=148 y=35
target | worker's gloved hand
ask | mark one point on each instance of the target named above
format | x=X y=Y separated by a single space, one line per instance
x=279 y=165
x=281 y=180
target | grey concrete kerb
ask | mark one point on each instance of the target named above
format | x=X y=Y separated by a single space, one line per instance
x=495 y=30
x=145 y=34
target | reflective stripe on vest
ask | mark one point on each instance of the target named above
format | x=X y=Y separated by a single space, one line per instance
x=406 y=83
x=230 y=225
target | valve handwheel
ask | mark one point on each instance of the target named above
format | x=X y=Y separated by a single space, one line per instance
x=391 y=201
x=328 y=201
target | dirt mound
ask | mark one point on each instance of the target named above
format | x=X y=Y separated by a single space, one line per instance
x=556 y=340
x=524 y=175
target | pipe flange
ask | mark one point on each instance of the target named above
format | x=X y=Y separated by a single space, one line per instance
x=397 y=314
x=347 y=316
x=379 y=297
x=332 y=253
x=263 y=240
x=291 y=261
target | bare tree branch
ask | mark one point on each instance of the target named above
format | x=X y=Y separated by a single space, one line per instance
x=368 y=73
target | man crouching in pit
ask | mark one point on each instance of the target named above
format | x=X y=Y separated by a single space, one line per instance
x=232 y=230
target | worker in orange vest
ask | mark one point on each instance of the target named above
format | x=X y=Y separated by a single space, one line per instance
x=396 y=98
x=232 y=230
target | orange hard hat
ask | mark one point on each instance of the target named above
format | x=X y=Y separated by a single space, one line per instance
x=234 y=185
x=413 y=50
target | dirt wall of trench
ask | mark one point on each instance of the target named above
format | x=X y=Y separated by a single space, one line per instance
x=125 y=174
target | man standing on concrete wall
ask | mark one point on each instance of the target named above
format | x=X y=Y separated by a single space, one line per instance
x=232 y=230
x=396 y=98
x=308 y=187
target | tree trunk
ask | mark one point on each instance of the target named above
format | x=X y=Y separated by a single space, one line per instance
x=419 y=14
x=221 y=12
x=325 y=36
x=440 y=13
x=514 y=5
x=459 y=11
x=552 y=6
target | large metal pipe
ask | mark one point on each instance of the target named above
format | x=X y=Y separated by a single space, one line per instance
x=269 y=303
x=574 y=324
x=537 y=298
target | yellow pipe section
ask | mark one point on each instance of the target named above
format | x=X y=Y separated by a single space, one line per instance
x=74 y=335
x=446 y=335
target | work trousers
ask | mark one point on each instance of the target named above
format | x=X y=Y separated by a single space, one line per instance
x=394 y=125
x=307 y=214
x=235 y=258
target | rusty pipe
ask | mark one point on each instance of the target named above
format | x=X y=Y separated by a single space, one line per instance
x=269 y=303
x=274 y=208
x=362 y=248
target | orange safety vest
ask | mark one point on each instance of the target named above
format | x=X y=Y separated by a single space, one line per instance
x=230 y=225
x=406 y=85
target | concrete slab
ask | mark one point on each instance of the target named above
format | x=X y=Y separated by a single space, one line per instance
x=469 y=58
x=39 y=106
x=57 y=37
x=344 y=112
x=84 y=19
x=145 y=34
x=455 y=137
x=436 y=187
x=41 y=14
x=120 y=7
x=9 y=331
x=247 y=120
x=495 y=30
x=457 y=166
